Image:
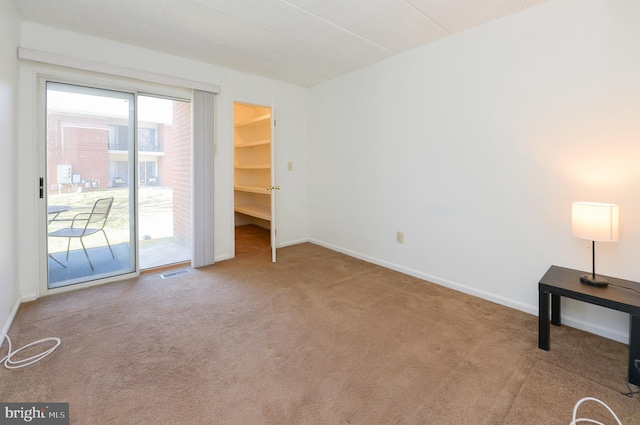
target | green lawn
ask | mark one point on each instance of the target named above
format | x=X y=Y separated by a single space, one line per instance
x=155 y=216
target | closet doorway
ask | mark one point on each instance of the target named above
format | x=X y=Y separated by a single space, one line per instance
x=254 y=178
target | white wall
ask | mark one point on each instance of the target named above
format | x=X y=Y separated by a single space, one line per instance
x=290 y=102
x=9 y=36
x=475 y=146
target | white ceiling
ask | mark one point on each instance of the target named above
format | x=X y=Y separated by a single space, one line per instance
x=303 y=42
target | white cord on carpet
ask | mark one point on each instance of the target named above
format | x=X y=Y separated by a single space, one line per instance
x=16 y=364
x=587 y=420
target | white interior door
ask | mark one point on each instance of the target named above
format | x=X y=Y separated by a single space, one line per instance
x=274 y=185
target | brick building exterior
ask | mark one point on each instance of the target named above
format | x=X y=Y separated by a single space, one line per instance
x=86 y=153
x=178 y=153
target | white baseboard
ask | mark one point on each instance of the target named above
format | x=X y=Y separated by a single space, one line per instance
x=223 y=257
x=28 y=298
x=595 y=329
x=9 y=322
x=295 y=242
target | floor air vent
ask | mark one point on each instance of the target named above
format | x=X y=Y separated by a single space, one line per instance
x=174 y=273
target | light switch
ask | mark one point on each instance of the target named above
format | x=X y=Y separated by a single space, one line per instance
x=290 y=166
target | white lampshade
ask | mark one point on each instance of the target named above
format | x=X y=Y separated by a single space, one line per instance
x=594 y=221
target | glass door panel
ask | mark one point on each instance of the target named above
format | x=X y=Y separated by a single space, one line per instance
x=164 y=181
x=89 y=184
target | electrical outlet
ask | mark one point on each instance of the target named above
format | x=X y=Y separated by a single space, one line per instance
x=400 y=237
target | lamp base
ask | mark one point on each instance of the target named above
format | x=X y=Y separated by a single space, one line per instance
x=598 y=281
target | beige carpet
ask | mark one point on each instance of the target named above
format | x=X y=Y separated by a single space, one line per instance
x=318 y=338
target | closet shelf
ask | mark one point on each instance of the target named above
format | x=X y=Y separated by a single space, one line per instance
x=255 y=143
x=252 y=189
x=253 y=167
x=254 y=121
x=257 y=211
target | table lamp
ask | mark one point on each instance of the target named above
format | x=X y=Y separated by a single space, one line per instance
x=596 y=222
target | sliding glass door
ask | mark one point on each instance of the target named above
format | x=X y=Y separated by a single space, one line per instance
x=118 y=183
x=89 y=183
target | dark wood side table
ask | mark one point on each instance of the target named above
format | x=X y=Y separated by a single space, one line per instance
x=562 y=282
